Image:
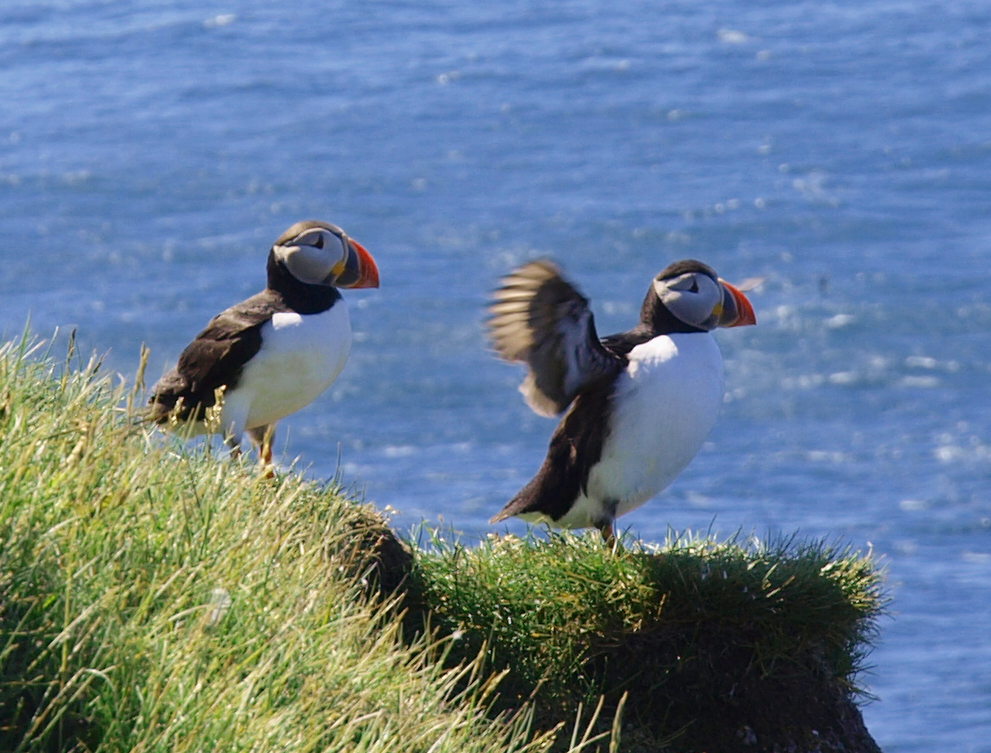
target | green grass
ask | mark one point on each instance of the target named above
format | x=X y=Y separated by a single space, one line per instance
x=157 y=597
x=692 y=631
x=154 y=599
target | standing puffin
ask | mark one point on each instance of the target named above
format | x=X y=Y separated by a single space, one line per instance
x=275 y=352
x=642 y=402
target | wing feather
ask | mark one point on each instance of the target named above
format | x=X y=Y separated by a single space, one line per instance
x=540 y=319
x=214 y=359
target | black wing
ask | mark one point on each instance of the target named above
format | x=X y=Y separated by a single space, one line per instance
x=574 y=449
x=622 y=343
x=214 y=359
x=540 y=319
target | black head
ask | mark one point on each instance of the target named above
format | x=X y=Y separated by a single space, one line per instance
x=318 y=253
x=688 y=296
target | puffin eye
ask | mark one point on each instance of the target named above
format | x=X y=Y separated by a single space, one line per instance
x=686 y=283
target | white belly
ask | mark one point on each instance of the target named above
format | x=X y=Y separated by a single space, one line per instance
x=300 y=357
x=664 y=407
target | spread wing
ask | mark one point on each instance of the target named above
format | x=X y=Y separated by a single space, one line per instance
x=214 y=359
x=540 y=319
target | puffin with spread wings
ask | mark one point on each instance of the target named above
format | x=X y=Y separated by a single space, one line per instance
x=639 y=404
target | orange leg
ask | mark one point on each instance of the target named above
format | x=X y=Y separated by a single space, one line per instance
x=263 y=437
x=609 y=535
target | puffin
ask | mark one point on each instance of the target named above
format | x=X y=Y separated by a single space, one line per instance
x=275 y=352
x=639 y=404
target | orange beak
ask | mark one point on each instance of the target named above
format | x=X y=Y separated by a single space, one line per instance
x=740 y=312
x=361 y=270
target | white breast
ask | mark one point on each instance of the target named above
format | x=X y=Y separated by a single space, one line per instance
x=300 y=357
x=664 y=407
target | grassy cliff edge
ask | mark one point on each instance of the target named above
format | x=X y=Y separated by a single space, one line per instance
x=159 y=598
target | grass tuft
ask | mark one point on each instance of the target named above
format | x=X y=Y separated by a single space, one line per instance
x=695 y=630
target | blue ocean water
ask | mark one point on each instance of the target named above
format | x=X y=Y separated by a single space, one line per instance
x=151 y=151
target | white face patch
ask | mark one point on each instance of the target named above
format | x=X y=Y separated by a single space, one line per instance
x=314 y=255
x=692 y=297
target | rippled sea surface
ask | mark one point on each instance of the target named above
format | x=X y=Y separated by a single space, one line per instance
x=151 y=151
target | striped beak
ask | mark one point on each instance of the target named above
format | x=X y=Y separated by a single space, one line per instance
x=737 y=310
x=360 y=270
